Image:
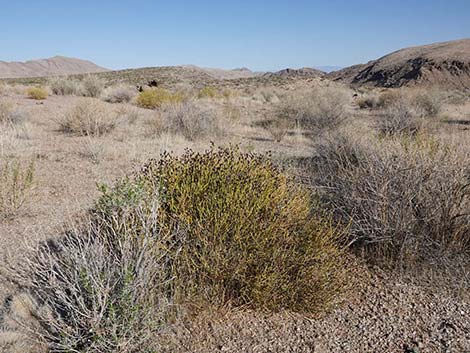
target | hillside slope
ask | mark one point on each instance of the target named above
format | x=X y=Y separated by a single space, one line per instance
x=445 y=64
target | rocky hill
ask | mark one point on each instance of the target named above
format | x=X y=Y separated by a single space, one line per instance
x=445 y=64
x=57 y=65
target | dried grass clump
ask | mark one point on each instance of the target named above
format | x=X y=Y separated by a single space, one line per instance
x=15 y=186
x=9 y=115
x=322 y=109
x=157 y=97
x=6 y=110
x=407 y=200
x=119 y=94
x=38 y=93
x=64 y=86
x=192 y=121
x=208 y=92
x=89 y=117
x=92 y=86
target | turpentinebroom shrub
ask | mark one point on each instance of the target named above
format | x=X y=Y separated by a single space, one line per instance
x=245 y=231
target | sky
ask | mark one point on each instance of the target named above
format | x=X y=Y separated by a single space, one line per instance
x=260 y=35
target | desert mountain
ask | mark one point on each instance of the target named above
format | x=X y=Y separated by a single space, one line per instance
x=57 y=65
x=446 y=64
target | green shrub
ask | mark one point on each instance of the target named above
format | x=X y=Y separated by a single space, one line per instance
x=245 y=232
x=15 y=185
x=157 y=97
x=37 y=93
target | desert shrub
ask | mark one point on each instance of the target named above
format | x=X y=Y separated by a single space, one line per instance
x=427 y=102
x=245 y=232
x=6 y=110
x=368 y=101
x=64 y=86
x=15 y=186
x=207 y=92
x=190 y=120
x=129 y=114
x=157 y=97
x=399 y=118
x=322 y=109
x=406 y=200
x=92 y=86
x=119 y=94
x=89 y=117
x=388 y=98
x=38 y=93
x=98 y=288
x=278 y=129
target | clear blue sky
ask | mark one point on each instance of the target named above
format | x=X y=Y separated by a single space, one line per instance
x=261 y=35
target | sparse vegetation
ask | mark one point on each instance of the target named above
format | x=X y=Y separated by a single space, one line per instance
x=89 y=117
x=38 y=93
x=157 y=97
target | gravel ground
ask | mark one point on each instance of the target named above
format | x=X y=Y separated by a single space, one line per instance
x=387 y=314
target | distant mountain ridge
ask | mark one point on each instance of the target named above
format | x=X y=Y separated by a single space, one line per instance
x=302 y=72
x=57 y=65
